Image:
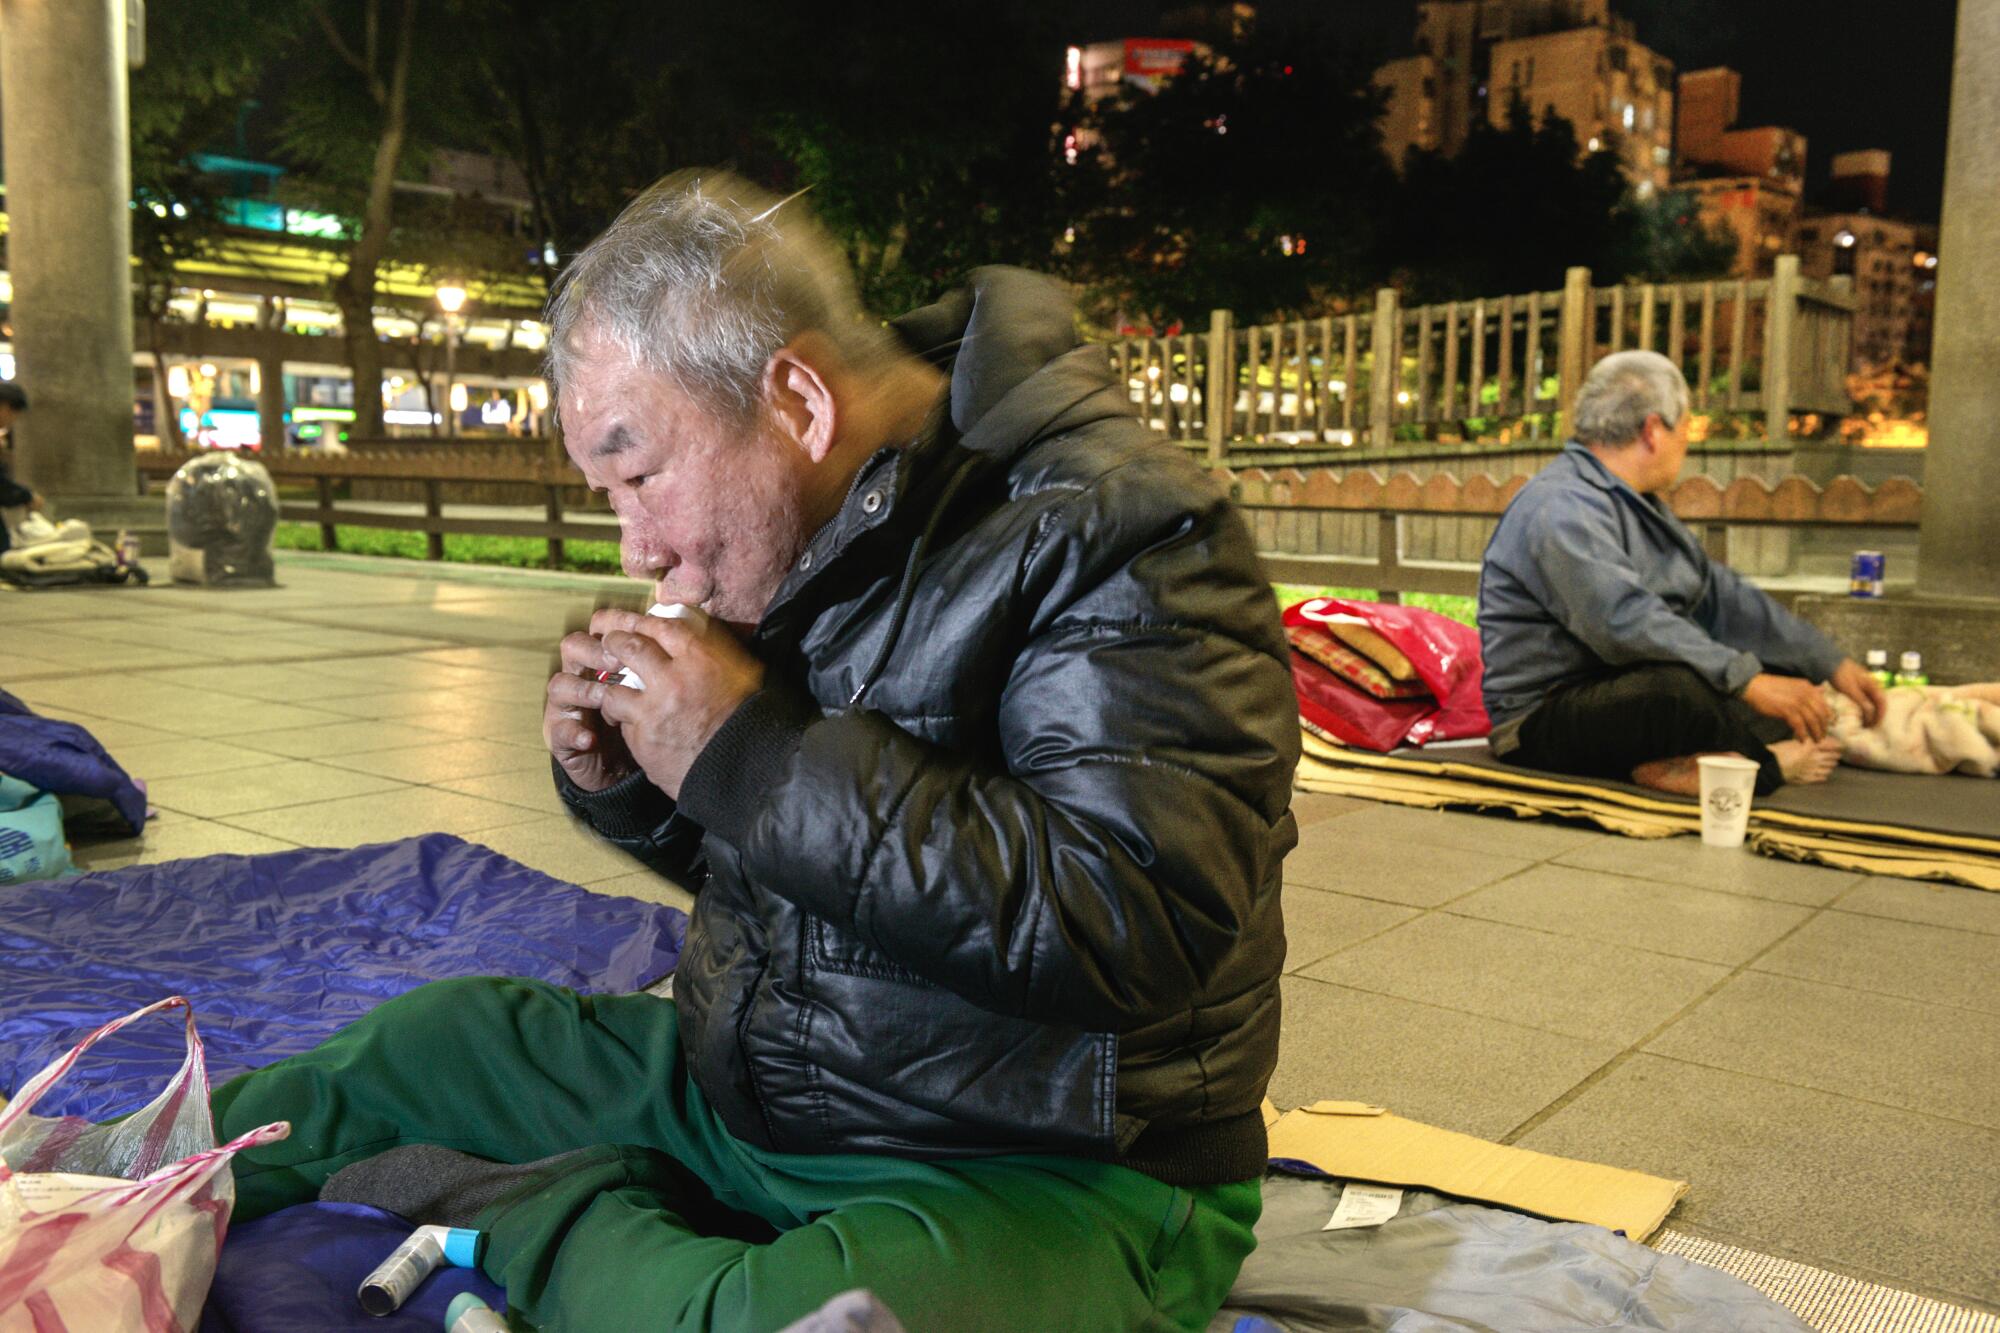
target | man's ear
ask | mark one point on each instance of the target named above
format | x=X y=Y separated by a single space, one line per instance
x=800 y=395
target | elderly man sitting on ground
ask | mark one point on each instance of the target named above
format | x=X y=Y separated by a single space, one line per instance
x=1615 y=648
x=982 y=773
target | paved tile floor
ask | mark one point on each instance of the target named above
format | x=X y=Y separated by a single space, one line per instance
x=1817 y=1052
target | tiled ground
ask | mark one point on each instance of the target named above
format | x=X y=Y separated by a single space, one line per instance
x=1817 y=1052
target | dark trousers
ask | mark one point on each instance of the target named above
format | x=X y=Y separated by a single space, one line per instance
x=1608 y=726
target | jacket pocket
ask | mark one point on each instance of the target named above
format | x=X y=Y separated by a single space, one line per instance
x=902 y=1064
x=830 y=949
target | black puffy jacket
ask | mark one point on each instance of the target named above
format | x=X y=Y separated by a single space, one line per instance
x=991 y=864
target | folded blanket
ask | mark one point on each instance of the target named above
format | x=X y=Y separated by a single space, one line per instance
x=1927 y=729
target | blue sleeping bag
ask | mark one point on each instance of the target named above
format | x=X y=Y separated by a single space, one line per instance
x=65 y=759
x=278 y=951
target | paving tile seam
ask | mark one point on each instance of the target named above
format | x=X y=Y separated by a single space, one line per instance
x=1877 y=994
x=1845 y=1268
x=1906 y=921
x=1448 y=1009
x=398 y=786
x=1611 y=1066
x=1991 y=1130
x=1581 y=939
x=1726 y=893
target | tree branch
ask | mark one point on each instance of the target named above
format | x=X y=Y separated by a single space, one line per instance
x=346 y=52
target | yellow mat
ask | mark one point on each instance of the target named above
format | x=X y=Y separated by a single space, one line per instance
x=1436 y=780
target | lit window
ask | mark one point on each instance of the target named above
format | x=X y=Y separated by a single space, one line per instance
x=1631 y=115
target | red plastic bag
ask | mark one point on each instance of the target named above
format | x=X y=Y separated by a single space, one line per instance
x=114 y=1227
x=1444 y=654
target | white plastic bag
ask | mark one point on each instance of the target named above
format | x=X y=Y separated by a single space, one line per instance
x=114 y=1227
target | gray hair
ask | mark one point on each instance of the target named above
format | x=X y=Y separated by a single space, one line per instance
x=1622 y=390
x=702 y=279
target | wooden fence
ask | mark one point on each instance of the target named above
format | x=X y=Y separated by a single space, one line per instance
x=1317 y=526
x=1495 y=367
x=432 y=471
x=1321 y=527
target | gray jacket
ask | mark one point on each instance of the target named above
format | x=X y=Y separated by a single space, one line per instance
x=1584 y=573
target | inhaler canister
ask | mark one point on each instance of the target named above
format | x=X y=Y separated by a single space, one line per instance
x=397 y=1278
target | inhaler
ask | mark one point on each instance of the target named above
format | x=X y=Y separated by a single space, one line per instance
x=397 y=1277
x=697 y=620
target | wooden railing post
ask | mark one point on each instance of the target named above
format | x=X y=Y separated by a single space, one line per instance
x=1388 y=555
x=434 y=510
x=1218 y=403
x=1780 y=328
x=1573 y=343
x=323 y=486
x=554 y=512
x=1385 y=368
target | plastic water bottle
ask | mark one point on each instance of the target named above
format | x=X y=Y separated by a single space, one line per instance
x=1912 y=671
x=1878 y=667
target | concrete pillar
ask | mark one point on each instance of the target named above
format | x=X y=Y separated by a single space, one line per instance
x=69 y=243
x=1958 y=551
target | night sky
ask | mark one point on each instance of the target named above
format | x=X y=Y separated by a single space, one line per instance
x=1847 y=74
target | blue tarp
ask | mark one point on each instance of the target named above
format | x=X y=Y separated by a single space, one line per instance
x=299 y=1269
x=278 y=951
x=63 y=758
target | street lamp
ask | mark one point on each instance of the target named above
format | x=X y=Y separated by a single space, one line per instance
x=450 y=299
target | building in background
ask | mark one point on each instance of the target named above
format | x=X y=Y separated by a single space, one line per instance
x=1569 y=58
x=1750 y=181
x=1894 y=267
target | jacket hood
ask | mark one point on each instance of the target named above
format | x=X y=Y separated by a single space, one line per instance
x=1018 y=371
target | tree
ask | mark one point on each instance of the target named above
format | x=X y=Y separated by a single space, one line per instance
x=347 y=122
x=1516 y=207
x=1252 y=181
x=1665 y=239
x=203 y=62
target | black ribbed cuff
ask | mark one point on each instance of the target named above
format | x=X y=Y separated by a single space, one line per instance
x=1220 y=1152
x=743 y=759
x=631 y=807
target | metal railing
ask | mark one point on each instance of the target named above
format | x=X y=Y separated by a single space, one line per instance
x=1501 y=367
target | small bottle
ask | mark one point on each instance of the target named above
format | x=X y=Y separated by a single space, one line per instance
x=1912 y=671
x=468 y=1314
x=1878 y=666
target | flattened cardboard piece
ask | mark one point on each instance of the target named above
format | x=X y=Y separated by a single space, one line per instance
x=1356 y=1141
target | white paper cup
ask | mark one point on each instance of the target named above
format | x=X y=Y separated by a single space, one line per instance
x=1727 y=783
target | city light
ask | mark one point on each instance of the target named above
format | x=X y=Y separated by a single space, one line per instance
x=1073 y=67
x=1844 y=239
x=450 y=298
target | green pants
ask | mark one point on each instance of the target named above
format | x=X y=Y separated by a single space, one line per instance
x=518 y=1070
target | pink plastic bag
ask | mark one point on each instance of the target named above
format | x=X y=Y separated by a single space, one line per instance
x=114 y=1227
x=1444 y=654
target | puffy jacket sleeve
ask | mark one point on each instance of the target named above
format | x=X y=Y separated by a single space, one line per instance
x=1099 y=871
x=641 y=820
x=1743 y=616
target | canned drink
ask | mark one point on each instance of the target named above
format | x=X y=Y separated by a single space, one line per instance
x=128 y=548
x=1865 y=580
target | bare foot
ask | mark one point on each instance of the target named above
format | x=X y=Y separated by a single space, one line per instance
x=1807 y=761
x=1681 y=776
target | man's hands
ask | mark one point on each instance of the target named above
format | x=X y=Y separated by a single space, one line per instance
x=1852 y=679
x=1796 y=701
x=600 y=732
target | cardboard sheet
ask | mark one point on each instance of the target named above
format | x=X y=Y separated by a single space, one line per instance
x=1356 y=1141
